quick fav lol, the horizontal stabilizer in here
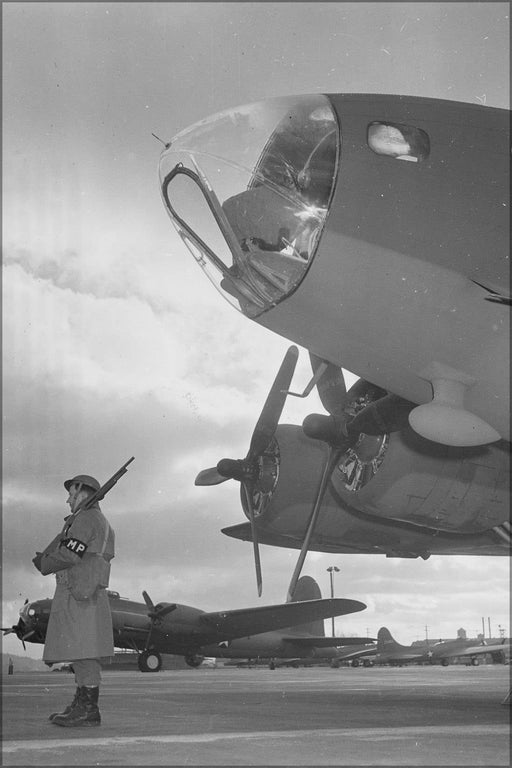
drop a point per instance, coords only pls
(327, 642)
(250, 621)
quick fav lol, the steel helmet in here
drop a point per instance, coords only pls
(87, 480)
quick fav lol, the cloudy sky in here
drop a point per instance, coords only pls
(114, 343)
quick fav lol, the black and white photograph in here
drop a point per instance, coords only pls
(256, 383)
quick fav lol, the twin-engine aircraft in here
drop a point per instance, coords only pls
(372, 230)
(290, 629)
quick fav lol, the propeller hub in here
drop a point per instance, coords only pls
(234, 469)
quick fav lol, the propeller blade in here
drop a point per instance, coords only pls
(274, 404)
(254, 534)
(161, 612)
(331, 385)
(332, 458)
(154, 612)
(209, 476)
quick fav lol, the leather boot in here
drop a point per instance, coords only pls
(85, 713)
(69, 706)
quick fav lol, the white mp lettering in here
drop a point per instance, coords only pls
(76, 546)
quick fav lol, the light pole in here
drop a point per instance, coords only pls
(330, 570)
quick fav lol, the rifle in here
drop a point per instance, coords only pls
(105, 488)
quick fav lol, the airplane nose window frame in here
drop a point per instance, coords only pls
(267, 229)
(179, 168)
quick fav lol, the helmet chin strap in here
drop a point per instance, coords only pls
(75, 502)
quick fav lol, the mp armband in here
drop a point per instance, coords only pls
(74, 545)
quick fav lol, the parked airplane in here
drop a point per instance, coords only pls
(179, 629)
(445, 651)
(373, 230)
(389, 651)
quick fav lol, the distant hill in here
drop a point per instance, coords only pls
(22, 664)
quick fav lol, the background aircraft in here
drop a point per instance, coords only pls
(389, 651)
(182, 630)
(443, 652)
(372, 230)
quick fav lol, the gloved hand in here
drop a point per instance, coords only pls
(37, 561)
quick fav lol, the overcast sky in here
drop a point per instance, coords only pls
(115, 344)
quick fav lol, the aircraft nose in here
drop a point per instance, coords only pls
(266, 172)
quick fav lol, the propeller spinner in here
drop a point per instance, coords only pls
(247, 470)
(20, 629)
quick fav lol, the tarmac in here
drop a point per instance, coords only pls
(228, 716)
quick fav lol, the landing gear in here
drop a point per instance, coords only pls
(150, 661)
(194, 661)
(474, 661)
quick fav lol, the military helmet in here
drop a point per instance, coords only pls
(87, 480)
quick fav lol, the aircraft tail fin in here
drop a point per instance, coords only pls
(307, 589)
(386, 641)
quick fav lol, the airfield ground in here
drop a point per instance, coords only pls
(227, 716)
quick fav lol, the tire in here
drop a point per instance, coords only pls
(474, 662)
(150, 661)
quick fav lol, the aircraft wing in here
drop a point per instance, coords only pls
(357, 653)
(251, 621)
(477, 650)
(329, 642)
(243, 531)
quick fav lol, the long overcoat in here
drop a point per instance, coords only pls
(80, 628)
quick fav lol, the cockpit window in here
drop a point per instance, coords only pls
(248, 191)
(403, 142)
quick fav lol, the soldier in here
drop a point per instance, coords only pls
(80, 624)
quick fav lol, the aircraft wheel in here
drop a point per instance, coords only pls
(150, 661)
(355, 662)
(474, 662)
(445, 662)
(272, 665)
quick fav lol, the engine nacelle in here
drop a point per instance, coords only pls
(398, 476)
